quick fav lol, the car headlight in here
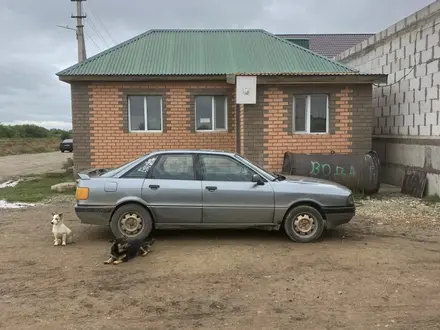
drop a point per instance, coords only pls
(350, 200)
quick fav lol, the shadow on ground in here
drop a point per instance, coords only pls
(245, 235)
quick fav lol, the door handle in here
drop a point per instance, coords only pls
(154, 186)
(211, 188)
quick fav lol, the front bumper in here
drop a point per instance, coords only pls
(338, 215)
(94, 215)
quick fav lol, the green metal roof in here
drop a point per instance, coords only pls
(205, 52)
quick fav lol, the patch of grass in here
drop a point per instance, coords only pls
(19, 146)
(35, 190)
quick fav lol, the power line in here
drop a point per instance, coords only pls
(85, 33)
(89, 4)
(88, 36)
(98, 33)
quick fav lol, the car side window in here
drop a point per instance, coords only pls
(223, 168)
(174, 167)
(141, 170)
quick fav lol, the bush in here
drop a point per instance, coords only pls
(7, 131)
(32, 131)
(65, 135)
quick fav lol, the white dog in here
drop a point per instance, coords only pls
(60, 231)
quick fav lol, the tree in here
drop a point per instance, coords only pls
(65, 135)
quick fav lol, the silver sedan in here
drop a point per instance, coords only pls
(182, 189)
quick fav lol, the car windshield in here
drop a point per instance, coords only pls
(122, 167)
(269, 174)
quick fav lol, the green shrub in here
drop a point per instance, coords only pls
(32, 131)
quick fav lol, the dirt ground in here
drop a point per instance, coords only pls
(366, 275)
(26, 164)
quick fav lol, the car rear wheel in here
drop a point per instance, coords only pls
(132, 221)
(304, 224)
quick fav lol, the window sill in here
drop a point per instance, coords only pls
(308, 133)
(211, 132)
(145, 132)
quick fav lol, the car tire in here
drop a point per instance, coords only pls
(299, 220)
(133, 213)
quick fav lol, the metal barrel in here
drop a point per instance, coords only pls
(359, 172)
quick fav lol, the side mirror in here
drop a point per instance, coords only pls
(257, 179)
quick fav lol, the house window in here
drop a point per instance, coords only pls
(145, 113)
(211, 113)
(310, 113)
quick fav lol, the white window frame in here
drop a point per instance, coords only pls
(307, 114)
(145, 115)
(212, 114)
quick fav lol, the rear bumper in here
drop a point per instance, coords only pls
(338, 215)
(94, 215)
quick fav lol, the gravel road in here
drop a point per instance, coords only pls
(11, 166)
(380, 271)
(242, 280)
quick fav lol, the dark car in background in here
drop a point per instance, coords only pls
(66, 145)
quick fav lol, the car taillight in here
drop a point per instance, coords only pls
(82, 193)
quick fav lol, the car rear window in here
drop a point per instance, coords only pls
(114, 171)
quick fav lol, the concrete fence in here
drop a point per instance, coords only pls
(406, 123)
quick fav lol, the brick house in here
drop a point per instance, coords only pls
(176, 89)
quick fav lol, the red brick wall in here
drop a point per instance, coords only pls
(100, 122)
(349, 123)
(111, 144)
(277, 139)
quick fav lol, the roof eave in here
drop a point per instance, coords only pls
(263, 78)
(114, 78)
(319, 78)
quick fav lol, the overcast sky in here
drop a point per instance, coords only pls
(34, 48)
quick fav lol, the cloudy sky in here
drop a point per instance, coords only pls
(34, 48)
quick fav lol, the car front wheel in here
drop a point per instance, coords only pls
(132, 221)
(304, 224)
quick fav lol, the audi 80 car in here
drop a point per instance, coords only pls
(182, 189)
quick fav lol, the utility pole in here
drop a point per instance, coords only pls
(80, 30)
